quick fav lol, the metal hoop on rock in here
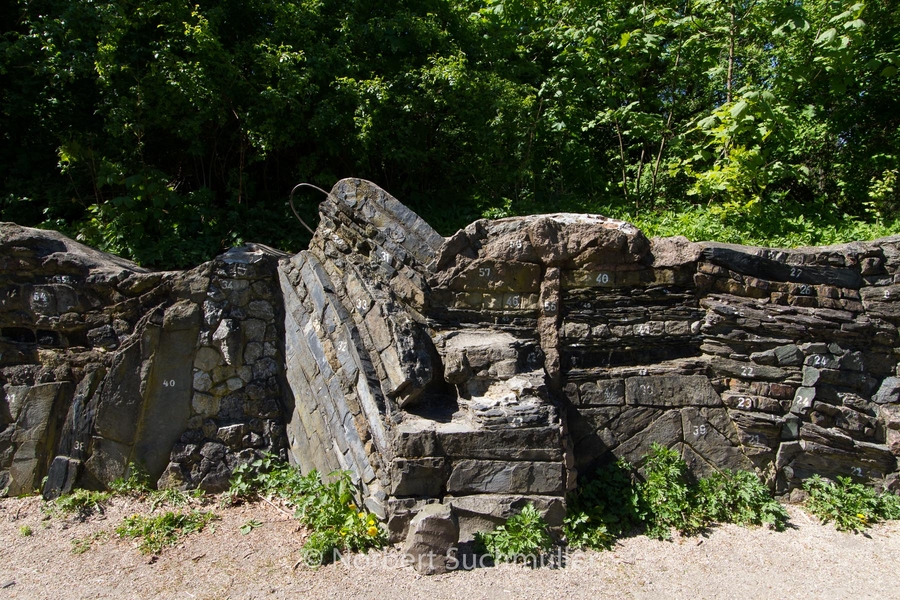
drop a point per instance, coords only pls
(291, 201)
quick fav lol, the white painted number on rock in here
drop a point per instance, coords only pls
(168, 383)
(747, 371)
(857, 471)
(795, 272)
(603, 278)
(484, 271)
(515, 243)
(513, 301)
(745, 402)
(699, 430)
(78, 446)
(550, 306)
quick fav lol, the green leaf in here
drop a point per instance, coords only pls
(739, 108)
(826, 37)
(708, 122)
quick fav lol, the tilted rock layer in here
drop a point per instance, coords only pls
(483, 371)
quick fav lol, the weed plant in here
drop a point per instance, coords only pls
(616, 501)
(327, 509)
(330, 512)
(738, 497)
(266, 477)
(851, 506)
(81, 503)
(137, 483)
(604, 508)
(667, 495)
(160, 531)
(523, 535)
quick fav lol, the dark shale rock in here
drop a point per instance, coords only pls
(433, 536)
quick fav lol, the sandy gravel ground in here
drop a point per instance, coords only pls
(809, 560)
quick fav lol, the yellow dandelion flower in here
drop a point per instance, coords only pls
(372, 531)
(362, 516)
(352, 506)
(371, 522)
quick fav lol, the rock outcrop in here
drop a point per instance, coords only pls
(481, 371)
(105, 365)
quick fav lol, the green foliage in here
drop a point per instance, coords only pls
(81, 503)
(266, 476)
(738, 497)
(168, 497)
(615, 502)
(137, 483)
(667, 495)
(852, 506)
(166, 131)
(329, 510)
(25, 531)
(523, 537)
(82, 545)
(604, 508)
(791, 225)
(250, 526)
(164, 530)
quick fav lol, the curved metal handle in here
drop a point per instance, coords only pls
(291, 201)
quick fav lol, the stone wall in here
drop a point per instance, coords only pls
(104, 364)
(483, 371)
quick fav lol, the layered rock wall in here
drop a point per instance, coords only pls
(482, 371)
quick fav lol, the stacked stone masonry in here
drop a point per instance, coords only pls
(105, 365)
(481, 371)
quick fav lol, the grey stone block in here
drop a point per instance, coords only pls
(504, 477)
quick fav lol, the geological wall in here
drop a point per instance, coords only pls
(484, 370)
(104, 364)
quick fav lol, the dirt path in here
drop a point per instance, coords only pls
(809, 560)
